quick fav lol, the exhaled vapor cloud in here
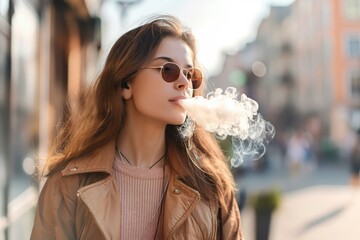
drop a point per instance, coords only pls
(222, 113)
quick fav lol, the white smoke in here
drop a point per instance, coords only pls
(223, 114)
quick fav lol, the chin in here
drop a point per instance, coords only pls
(179, 120)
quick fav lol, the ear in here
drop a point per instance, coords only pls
(126, 91)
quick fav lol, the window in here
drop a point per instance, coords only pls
(354, 85)
(353, 46)
(352, 9)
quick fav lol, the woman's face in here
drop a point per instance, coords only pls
(153, 99)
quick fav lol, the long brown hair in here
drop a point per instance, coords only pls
(98, 116)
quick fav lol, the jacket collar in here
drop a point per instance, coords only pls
(179, 202)
(100, 161)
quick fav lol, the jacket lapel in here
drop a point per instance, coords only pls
(102, 199)
(179, 203)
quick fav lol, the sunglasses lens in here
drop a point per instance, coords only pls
(195, 76)
(170, 72)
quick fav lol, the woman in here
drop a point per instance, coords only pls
(120, 169)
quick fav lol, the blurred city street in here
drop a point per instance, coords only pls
(318, 204)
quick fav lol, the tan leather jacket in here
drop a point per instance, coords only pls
(82, 202)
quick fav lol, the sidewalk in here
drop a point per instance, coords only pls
(313, 213)
(316, 205)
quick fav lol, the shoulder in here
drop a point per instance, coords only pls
(56, 202)
(60, 192)
(80, 172)
(57, 188)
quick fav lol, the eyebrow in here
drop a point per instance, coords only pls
(168, 59)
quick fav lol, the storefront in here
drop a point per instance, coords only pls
(47, 49)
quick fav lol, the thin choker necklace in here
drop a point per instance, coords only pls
(127, 160)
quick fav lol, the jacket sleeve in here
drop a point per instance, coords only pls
(231, 223)
(55, 212)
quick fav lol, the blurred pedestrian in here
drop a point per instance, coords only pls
(119, 169)
(355, 162)
(296, 152)
(310, 156)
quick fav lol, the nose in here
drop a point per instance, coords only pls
(182, 82)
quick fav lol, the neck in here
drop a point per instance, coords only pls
(142, 145)
(124, 158)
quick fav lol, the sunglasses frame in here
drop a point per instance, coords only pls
(184, 71)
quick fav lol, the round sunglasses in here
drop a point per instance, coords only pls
(170, 72)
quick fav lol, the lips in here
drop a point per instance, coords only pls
(177, 99)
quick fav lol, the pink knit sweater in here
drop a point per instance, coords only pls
(141, 192)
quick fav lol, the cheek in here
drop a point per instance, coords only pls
(149, 84)
(149, 97)
(144, 98)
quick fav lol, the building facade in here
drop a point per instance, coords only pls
(48, 52)
(311, 51)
